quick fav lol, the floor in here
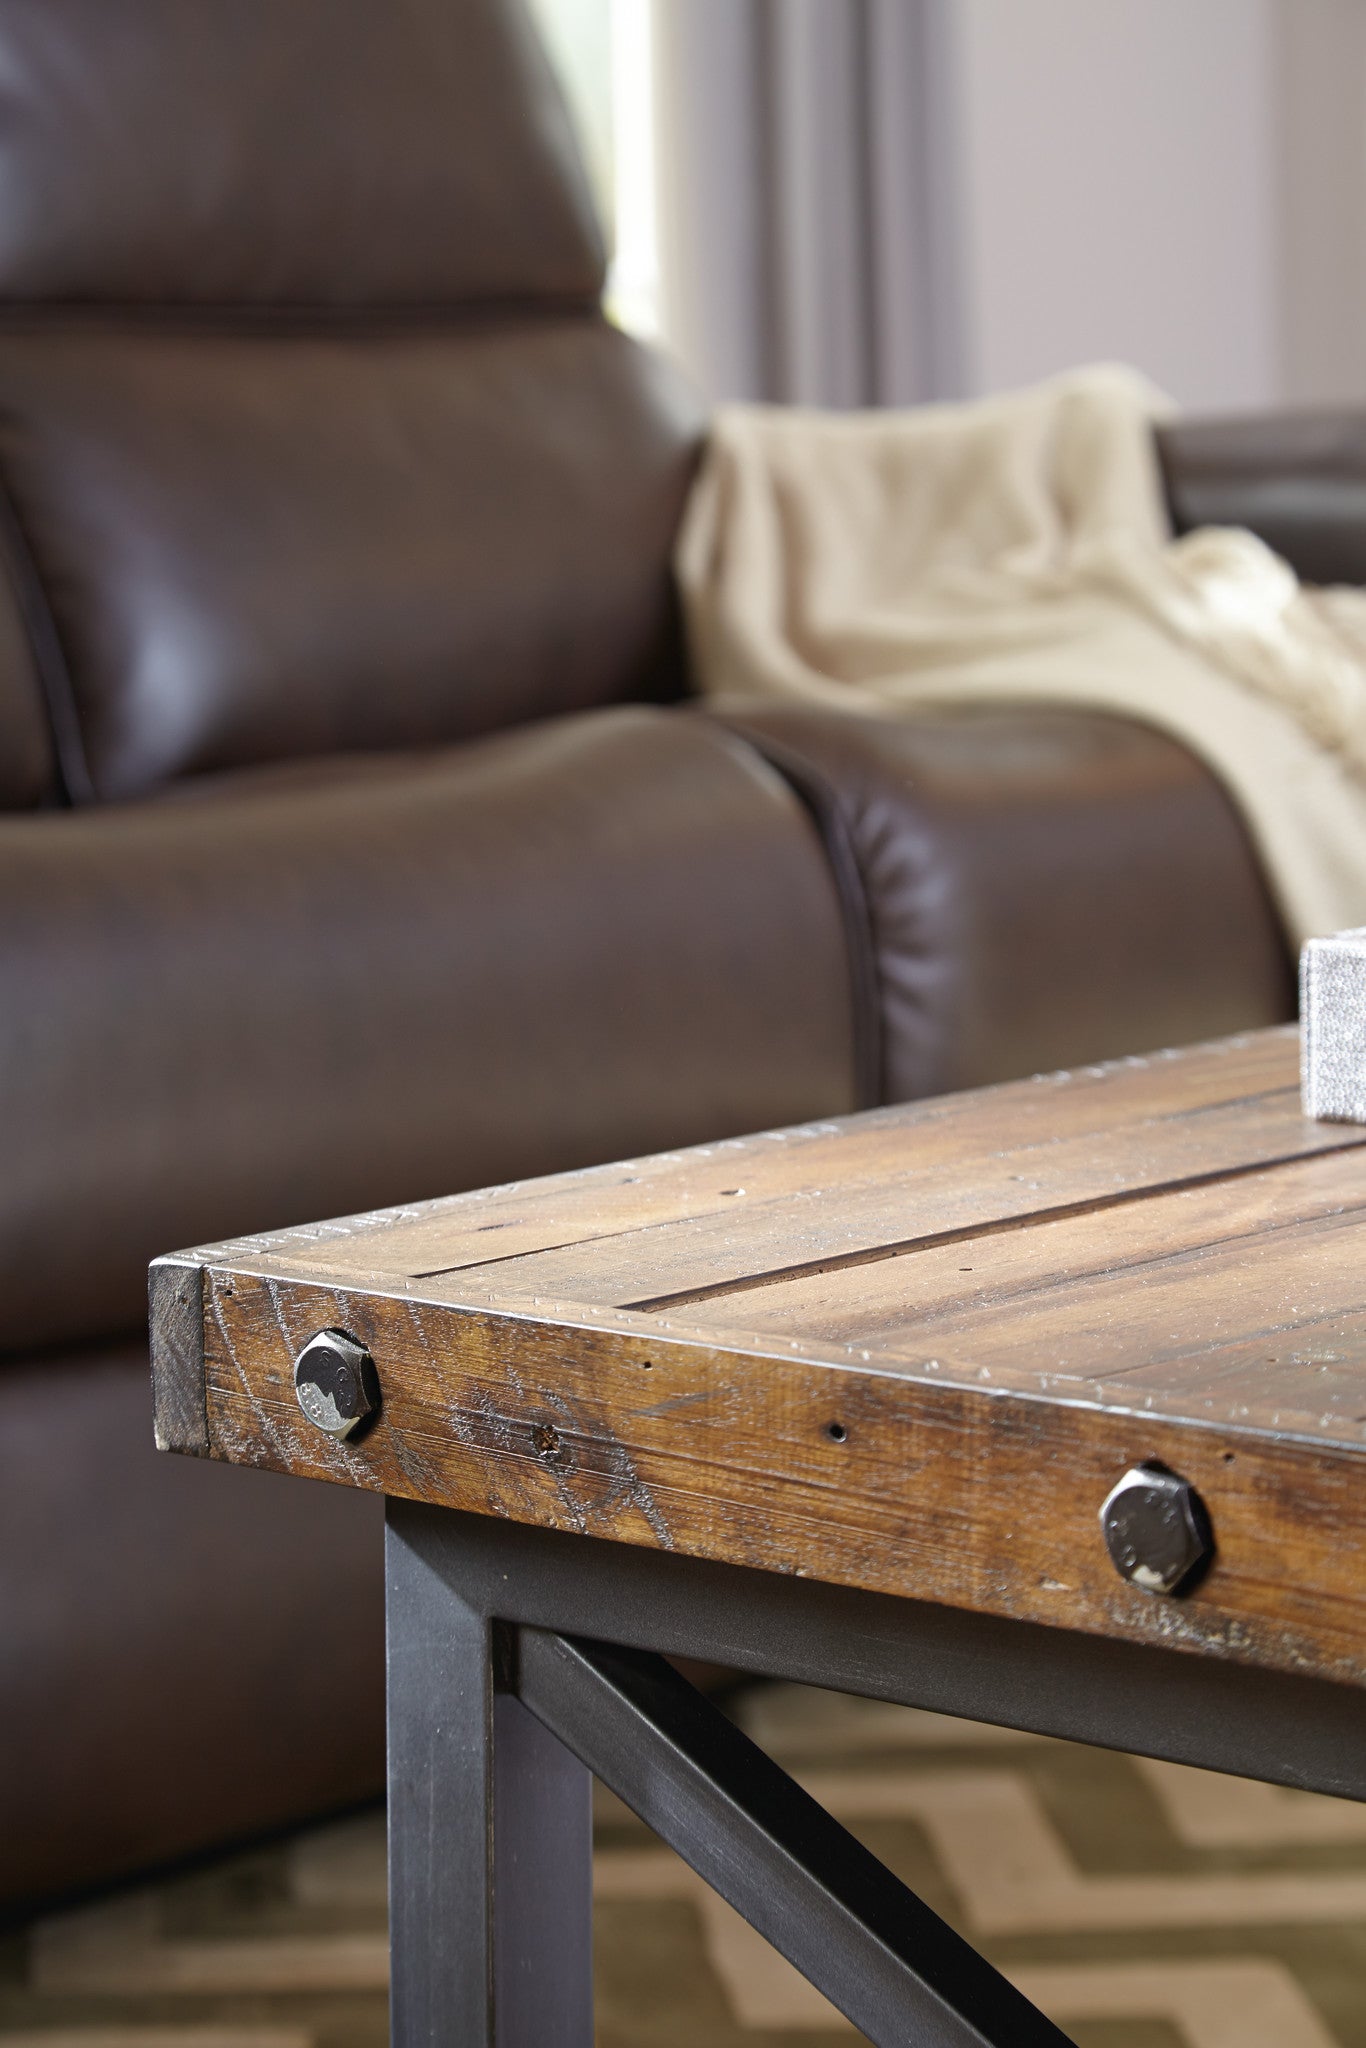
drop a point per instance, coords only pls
(1142, 1905)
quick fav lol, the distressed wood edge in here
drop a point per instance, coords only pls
(346, 1294)
(941, 1373)
(445, 1462)
(175, 1302)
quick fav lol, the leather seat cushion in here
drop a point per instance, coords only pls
(302, 993)
(193, 1654)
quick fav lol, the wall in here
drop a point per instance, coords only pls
(1117, 192)
(1322, 72)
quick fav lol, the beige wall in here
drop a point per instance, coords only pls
(1181, 183)
(1117, 191)
(1322, 69)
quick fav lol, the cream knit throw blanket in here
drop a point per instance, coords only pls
(1018, 549)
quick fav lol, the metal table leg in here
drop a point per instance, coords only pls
(494, 1728)
(490, 1837)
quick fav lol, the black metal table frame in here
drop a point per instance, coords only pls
(522, 1662)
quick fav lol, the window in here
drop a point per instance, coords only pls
(603, 50)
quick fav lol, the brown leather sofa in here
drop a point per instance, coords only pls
(354, 850)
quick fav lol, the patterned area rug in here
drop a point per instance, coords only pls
(1142, 1905)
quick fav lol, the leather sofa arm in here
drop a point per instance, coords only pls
(1029, 889)
(1297, 479)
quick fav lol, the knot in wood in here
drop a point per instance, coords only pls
(548, 1444)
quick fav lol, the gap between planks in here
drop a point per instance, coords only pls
(966, 1233)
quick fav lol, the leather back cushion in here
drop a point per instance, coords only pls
(312, 436)
(258, 545)
(27, 764)
(1297, 479)
(285, 152)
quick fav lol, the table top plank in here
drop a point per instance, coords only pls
(996, 1266)
(1215, 1275)
(914, 1206)
(1191, 1111)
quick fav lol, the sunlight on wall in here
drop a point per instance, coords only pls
(604, 52)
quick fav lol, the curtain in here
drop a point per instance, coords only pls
(808, 216)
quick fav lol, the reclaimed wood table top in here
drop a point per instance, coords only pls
(908, 1351)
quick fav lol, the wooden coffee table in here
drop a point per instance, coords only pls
(844, 1404)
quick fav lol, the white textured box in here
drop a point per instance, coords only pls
(1333, 1027)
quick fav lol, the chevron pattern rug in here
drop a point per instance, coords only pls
(1141, 1905)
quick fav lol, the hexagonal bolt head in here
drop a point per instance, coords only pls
(1156, 1529)
(336, 1382)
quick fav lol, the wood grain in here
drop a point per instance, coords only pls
(909, 1351)
(1232, 1101)
(924, 1199)
(176, 1309)
(1246, 1284)
(983, 1499)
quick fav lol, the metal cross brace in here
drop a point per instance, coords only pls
(504, 1703)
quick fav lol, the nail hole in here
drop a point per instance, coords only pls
(1229, 1457)
(646, 1364)
(836, 1432)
